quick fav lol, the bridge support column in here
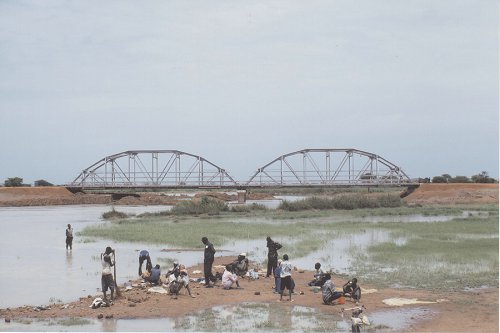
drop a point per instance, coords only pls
(242, 196)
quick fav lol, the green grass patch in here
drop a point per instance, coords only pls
(451, 255)
(459, 253)
(344, 202)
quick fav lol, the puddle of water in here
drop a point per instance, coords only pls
(89, 325)
(245, 317)
(336, 254)
(420, 217)
(475, 290)
(400, 319)
(259, 317)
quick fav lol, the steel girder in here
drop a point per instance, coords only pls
(153, 168)
(327, 167)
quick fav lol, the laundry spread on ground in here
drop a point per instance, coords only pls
(397, 301)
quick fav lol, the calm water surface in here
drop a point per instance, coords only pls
(36, 269)
(35, 266)
(246, 317)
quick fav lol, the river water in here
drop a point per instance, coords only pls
(36, 269)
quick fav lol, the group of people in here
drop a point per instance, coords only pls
(177, 277)
(282, 271)
(329, 294)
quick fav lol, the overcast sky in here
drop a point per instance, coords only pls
(243, 82)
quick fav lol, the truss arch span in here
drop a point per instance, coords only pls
(153, 168)
(329, 167)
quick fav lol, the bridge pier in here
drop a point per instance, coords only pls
(242, 196)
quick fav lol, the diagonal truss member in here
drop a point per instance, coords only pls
(150, 168)
(328, 167)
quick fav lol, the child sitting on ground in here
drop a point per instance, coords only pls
(352, 289)
(319, 277)
(229, 278)
(182, 280)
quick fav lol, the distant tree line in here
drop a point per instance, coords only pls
(481, 177)
(18, 182)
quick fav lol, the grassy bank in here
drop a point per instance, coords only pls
(455, 254)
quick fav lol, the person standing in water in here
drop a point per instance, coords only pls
(69, 237)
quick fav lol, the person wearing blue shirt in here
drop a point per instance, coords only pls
(154, 278)
(144, 256)
(277, 278)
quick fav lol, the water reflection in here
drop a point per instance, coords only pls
(69, 259)
(336, 254)
(109, 325)
(245, 317)
(252, 317)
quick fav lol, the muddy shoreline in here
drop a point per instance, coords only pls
(446, 309)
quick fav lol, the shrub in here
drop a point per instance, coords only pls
(114, 214)
(345, 202)
(439, 179)
(248, 208)
(389, 201)
(240, 209)
(206, 205)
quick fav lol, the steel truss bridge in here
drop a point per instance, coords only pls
(169, 169)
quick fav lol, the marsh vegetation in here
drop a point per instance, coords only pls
(456, 253)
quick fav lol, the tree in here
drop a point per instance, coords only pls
(43, 182)
(460, 179)
(14, 182)
(439, 179)
(447, 177)
(482, 178)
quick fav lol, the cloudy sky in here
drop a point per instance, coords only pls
(243, 82)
